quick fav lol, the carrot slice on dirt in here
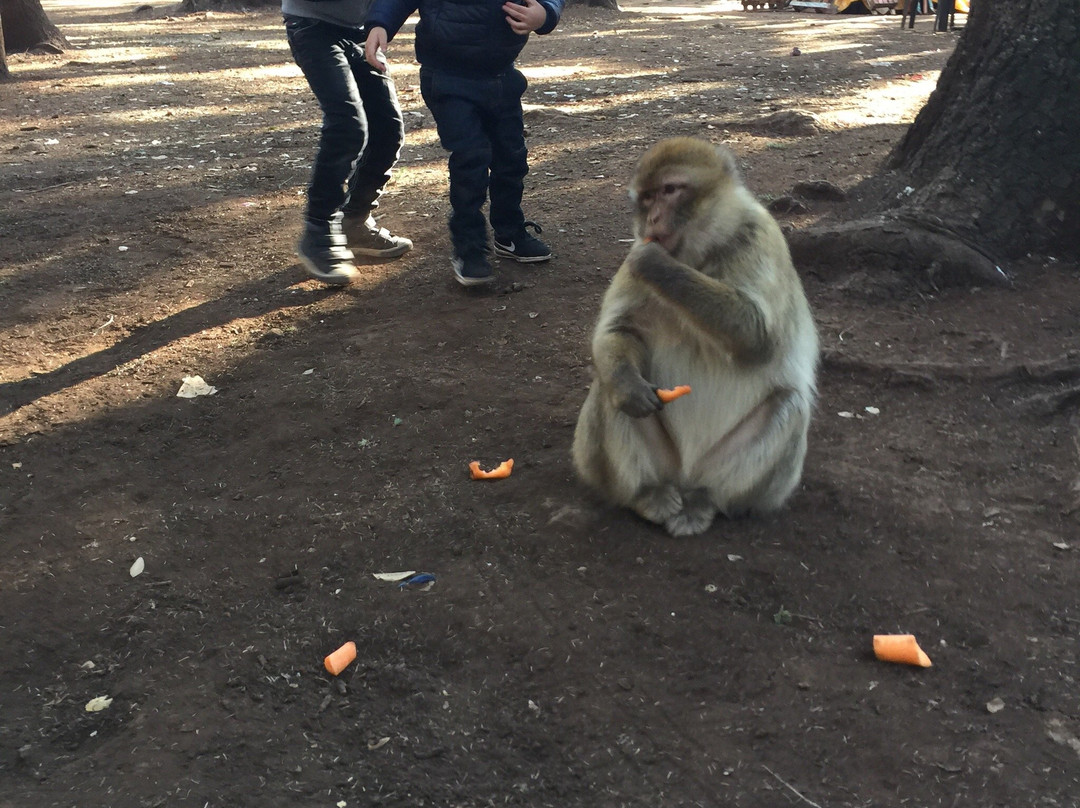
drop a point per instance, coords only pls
(340, 659)
(900, 648)
(675, 392)
(499, 472)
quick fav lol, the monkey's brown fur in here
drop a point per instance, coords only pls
(707, 297)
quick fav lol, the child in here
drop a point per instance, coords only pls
(362, 133)
(466, 50)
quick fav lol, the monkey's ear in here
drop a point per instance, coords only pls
(727, 160)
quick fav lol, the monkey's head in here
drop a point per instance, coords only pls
(677, 181)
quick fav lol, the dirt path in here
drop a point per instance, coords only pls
(568, 654)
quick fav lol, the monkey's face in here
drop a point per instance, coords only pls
(663, 208)
(677, 188)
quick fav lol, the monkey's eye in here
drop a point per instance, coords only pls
(672, 188)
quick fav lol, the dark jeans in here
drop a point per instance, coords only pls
(362, 127)
(480, 123)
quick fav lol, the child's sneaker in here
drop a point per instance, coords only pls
(367, 238)
(473, 270)
(523, 247)
(323, 252)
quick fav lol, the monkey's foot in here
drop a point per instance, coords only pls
(658, 503)
(696, 515)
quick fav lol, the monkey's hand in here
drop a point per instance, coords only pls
(730, 315)
(645, 256)
(650, 261)
(632, 394)
(642, 249)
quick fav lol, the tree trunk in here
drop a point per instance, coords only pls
(996, 151)
(26, 26)
(4, 74)
(993, 159)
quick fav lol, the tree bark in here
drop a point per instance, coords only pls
(991, 163)
(4, 73)
(995, 152)
(26, 26)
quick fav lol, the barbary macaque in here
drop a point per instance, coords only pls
(707, 297)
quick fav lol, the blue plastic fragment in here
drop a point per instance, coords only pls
(419, 578)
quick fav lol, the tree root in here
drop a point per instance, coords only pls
(1075, 508)
(1049, 371)
(917, 248)
(47, 47)
(927, 375)
(1054, 401)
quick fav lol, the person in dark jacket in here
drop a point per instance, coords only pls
(362, 133)
(466, 50)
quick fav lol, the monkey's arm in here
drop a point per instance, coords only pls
(719, 309)
(620, 353)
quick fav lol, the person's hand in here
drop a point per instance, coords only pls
(525, 16)
(375, 48)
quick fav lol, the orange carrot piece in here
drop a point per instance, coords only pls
(340, 659)
(497, 473)
(675, 392)
(900, 648)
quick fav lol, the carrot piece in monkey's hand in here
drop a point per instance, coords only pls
(900, 648)
(670, 395)
(499, 472)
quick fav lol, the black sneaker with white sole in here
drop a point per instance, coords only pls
(522, 246)
(323, 252)
(368, 239)
(473, 270)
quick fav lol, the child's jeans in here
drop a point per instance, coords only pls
(480, 123)
(362, 128)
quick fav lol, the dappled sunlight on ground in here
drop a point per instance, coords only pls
(126, 127)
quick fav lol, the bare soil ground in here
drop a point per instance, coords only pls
(568, 654)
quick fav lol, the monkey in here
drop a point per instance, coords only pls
(707, 296)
